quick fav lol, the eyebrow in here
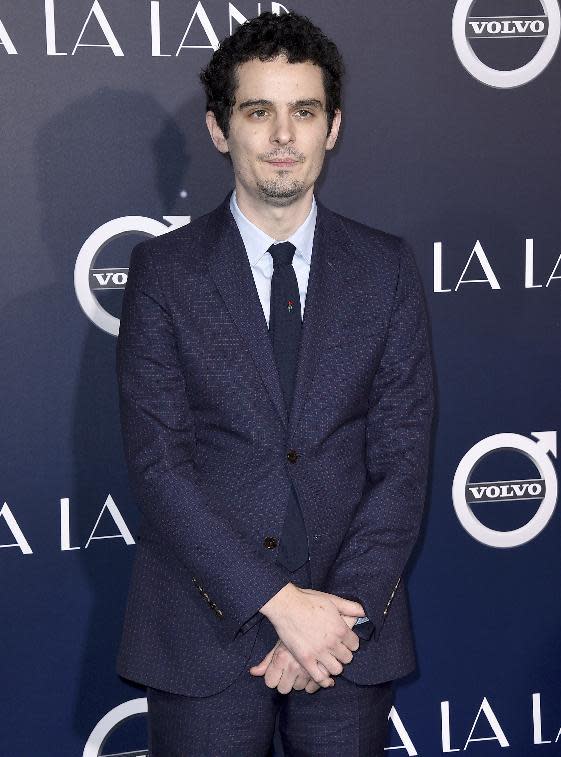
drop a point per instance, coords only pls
(310, 103)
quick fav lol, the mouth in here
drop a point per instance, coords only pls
(285, 163)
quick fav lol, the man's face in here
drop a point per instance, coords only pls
(278, 129)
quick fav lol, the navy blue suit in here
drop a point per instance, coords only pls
(212, 452)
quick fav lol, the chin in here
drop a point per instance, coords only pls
(277, 193)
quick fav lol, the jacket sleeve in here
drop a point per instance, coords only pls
(159, 437)
(384, 529)
(363, 628)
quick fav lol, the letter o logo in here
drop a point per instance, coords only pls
(516, 77)
(110, 722)
(91, 249)
(537, 452)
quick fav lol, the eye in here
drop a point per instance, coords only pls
(303, 113)
(258, 113)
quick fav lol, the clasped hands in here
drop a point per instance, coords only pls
(315, 639)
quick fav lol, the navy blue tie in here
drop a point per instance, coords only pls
(285, 325)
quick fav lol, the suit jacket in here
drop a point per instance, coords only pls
(211, 450)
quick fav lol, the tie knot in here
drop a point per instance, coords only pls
(282, 253)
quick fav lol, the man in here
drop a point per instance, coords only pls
(276, 401)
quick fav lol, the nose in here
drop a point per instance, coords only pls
(282, 132)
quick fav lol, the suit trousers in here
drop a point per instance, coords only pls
(346, 720)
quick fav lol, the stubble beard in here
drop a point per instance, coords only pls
(277, 192)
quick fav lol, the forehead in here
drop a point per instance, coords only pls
(279, 81)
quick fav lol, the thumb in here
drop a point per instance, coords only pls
(347, 606)
(260, 668)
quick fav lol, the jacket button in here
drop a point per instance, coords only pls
(269, 542)
(292, 456)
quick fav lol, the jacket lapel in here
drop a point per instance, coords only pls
(324, 284)
(229, 267)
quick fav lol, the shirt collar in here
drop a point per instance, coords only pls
(257, 242)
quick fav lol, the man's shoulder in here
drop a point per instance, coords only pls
(189, 241)
(371, 241)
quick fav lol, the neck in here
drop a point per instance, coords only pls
(278, 222)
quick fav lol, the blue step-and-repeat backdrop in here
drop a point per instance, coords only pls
(451, 138)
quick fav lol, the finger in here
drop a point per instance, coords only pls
(301, 680)
(287, 680)
(274, 672)
(331, 664)
(347, 606)
(321, 676)
(350, 620)
(260, 668)
(290, 667)
(312, 686)
(276, 666)
(351, 640)
(342, 653)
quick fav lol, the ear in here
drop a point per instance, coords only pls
(332, 136)
(215, 132)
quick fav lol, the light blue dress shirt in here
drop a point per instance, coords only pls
(257, 243)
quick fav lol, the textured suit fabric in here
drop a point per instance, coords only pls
(239, 721)
(257, 244)
(285, 326)
(207, 441)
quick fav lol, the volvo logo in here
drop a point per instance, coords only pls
(466, 27)
(88, 279)
(107, 725)
(543, 487)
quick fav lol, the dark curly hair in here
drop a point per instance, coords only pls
(265, 37)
